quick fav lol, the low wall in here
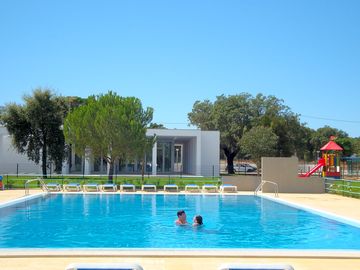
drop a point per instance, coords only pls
(284, 172)
(243, 182)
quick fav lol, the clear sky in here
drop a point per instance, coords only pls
(172, 53)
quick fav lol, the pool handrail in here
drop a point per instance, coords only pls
(263, 182)
(42, 184)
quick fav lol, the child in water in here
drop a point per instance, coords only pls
(198, 221)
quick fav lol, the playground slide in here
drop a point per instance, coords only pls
(321, 163)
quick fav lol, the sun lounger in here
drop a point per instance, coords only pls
(127, 187)
(72, 187)
(148, 187)
(171, 187)
(228, 188)
(234, 266)
(91, 187)
(112, 266)
(192, 188)
(109, 187)
(209, 188)
(53, 186)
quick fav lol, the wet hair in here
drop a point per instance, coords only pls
(180, 212)
(199, 220)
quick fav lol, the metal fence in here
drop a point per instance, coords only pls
(20, 169)
(344, 187)
(19, 181)
(348, 170)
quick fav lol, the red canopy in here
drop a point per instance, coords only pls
(331, 146)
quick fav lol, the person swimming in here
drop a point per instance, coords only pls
(197, 221)
(181, 218)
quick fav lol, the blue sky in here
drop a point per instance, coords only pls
(172, 53)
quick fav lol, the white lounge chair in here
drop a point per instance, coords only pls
(72, 187)
(109, 187)
(127, 187)
(112, 266)
(91, 187)
(53, 186)
(192, 188)
(238, 266)
(148, 187)
(209, 188)
(228, 188)
(171, 187)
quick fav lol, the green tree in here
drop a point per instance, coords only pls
(322, 135)
(2, 112)
(356, 145)
(230, 115)
(269, 111)
(347, 145)
(110, 126)
(36, 127)
(234, 115)
(259, 142)
(157, 126)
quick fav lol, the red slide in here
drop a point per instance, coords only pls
(321, 163)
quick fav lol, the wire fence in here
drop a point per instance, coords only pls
(20, 169)
(349, 170)
(18, 181)
(344, 187)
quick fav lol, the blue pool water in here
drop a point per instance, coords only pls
(147, 221)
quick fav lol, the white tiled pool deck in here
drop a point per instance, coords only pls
(173, 260)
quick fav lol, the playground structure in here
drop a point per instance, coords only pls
(329, 161)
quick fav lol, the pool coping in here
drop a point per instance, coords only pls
(195, 253)
(22, 199)
(188, 252)
(326, 214)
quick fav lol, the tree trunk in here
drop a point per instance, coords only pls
(230, 155)
(111, 171)
(44, 158)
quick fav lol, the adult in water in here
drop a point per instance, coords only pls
(181, 218)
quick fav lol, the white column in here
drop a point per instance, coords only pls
(65, 169)
(172, 150)
(154, 158)
(88, 161)
(136, 165)
(73, 159)
(101, 165)
(198, 154)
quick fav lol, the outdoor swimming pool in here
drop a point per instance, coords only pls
(147, 221)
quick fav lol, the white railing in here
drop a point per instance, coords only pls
(263, 182)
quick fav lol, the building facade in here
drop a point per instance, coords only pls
(176, 151)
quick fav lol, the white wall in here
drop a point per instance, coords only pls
(190, 157)
(10, 158)
(210, 153)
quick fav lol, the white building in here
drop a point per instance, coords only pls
(176, 151)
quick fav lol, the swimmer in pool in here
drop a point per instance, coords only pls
(181, 218)
(197, 221)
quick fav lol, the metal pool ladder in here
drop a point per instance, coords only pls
(42, 184)
(263, 182)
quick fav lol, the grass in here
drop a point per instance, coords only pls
(18, 182)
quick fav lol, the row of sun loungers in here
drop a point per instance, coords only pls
(93, 187)
(134, 266)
